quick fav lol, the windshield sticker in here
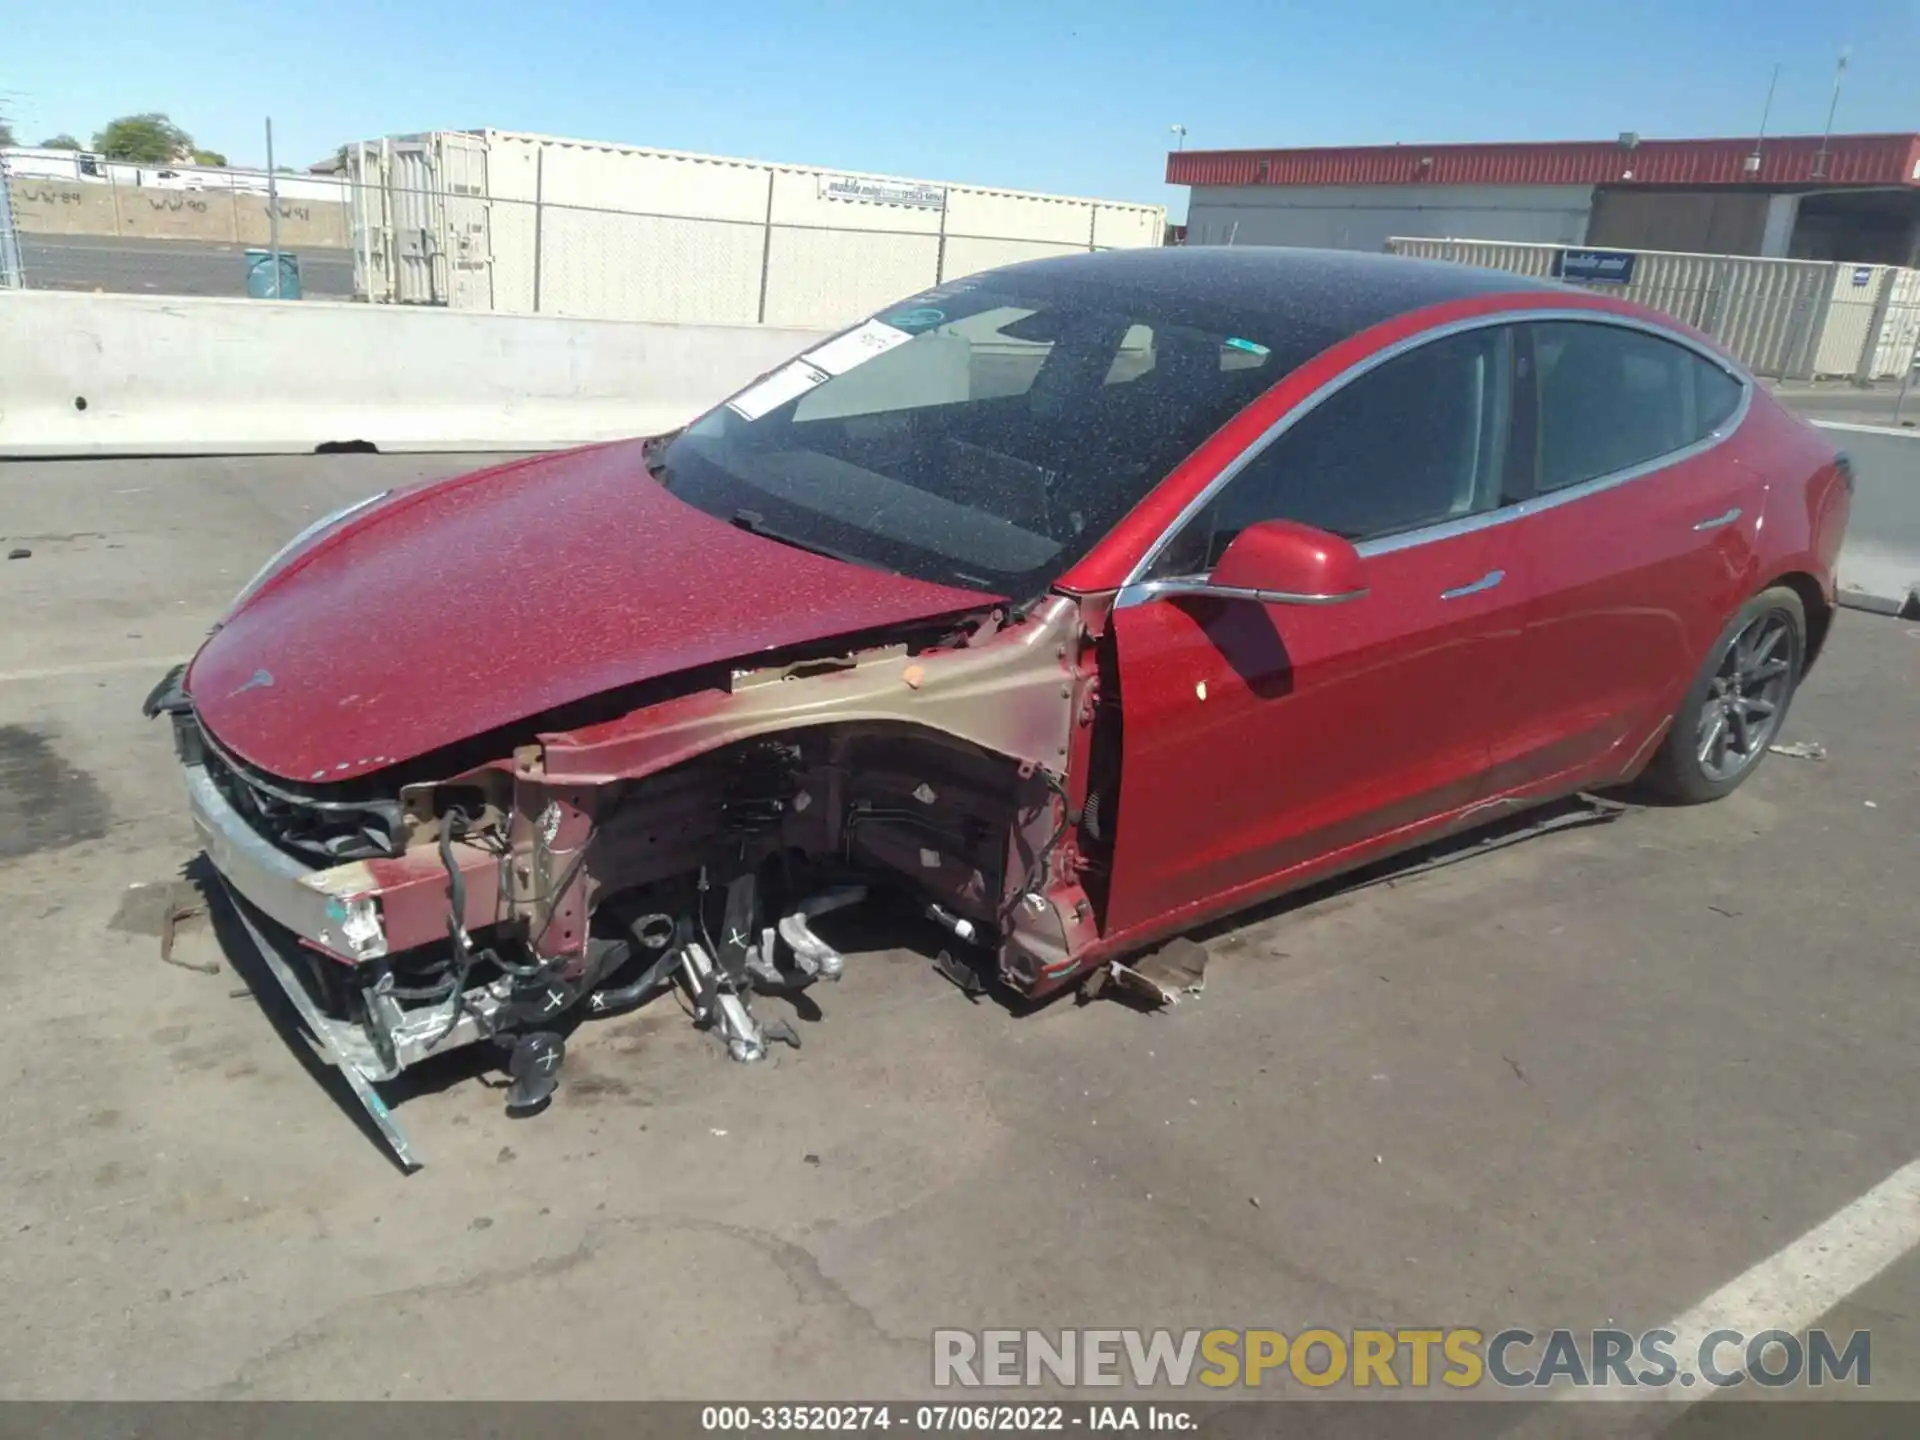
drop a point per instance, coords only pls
(787, 383)
(1236, 343)
(856, 347)
(924, 318)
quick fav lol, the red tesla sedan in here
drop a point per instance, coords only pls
(1081, 601)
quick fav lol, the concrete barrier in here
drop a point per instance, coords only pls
(219, 217)
(1880, 563)
(86, 374)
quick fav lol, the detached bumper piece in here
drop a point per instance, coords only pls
(341, 1045)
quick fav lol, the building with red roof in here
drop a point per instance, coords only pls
(1839, 197)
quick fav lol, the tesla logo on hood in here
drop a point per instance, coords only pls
(260, 680)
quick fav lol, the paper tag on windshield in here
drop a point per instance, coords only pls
(790, 380)
(856, 347)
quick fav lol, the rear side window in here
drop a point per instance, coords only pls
(1613, 398)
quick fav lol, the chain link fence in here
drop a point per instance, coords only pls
(451, 247)
(415, 246)
(105, 226)
(10, 272)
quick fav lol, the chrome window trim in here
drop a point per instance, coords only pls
(1200, 585)
(1132, 591)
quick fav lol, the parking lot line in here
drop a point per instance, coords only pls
(1797, 1284)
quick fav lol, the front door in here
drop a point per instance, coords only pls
(1263, 740)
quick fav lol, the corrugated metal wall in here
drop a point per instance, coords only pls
(1850, 317)
(601, 231)
(414, 224)
(1899, 345)
(1783, 318)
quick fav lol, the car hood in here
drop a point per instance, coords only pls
(458, 607)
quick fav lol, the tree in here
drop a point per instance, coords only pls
(62, 141)
(145, 139)
(208, 157)
(6, 133)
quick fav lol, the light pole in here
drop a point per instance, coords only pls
(1180, 133)
(273, 215)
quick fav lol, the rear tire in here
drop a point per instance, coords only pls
(1736, 705)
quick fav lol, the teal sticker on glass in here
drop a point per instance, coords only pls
(922, 318)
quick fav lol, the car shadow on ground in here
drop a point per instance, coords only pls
(1573, 812)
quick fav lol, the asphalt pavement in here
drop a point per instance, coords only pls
(168, 267)
(1602, 1077)
(1850, 404)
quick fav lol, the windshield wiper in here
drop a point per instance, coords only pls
(751, 522)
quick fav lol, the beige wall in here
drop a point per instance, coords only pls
(71, 207)
(1365, 217)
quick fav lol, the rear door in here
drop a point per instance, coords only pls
(1638, 543)
(1261, 740)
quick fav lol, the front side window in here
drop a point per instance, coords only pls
(970, 436)
(1613, 398)
(1419, 440)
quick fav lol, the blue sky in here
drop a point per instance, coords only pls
(1073, 96)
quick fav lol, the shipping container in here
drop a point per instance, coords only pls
(533, 224)
(1897, 351)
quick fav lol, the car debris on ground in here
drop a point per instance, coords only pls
(1800, 750)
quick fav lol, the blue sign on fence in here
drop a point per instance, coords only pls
(1598, 267)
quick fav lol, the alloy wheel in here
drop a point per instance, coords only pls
(1748, 697)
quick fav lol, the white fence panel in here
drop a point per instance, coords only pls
(1513, 256)
(600, 266)
(969, 254)
(1899, 346)
(831, 278)
(1785, 318)
(1850, 309)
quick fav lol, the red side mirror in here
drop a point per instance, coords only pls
(1282, 562)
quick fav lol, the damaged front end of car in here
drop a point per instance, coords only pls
(687, 842)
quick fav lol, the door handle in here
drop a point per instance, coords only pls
(1485, 582)
(1717, 521)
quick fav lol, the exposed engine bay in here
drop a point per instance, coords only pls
(689, 844)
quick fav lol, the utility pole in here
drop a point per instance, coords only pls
(1766, 113)
(1839, 74)
(273, 214)
(11, 275)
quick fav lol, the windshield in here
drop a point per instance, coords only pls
(972, 435)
